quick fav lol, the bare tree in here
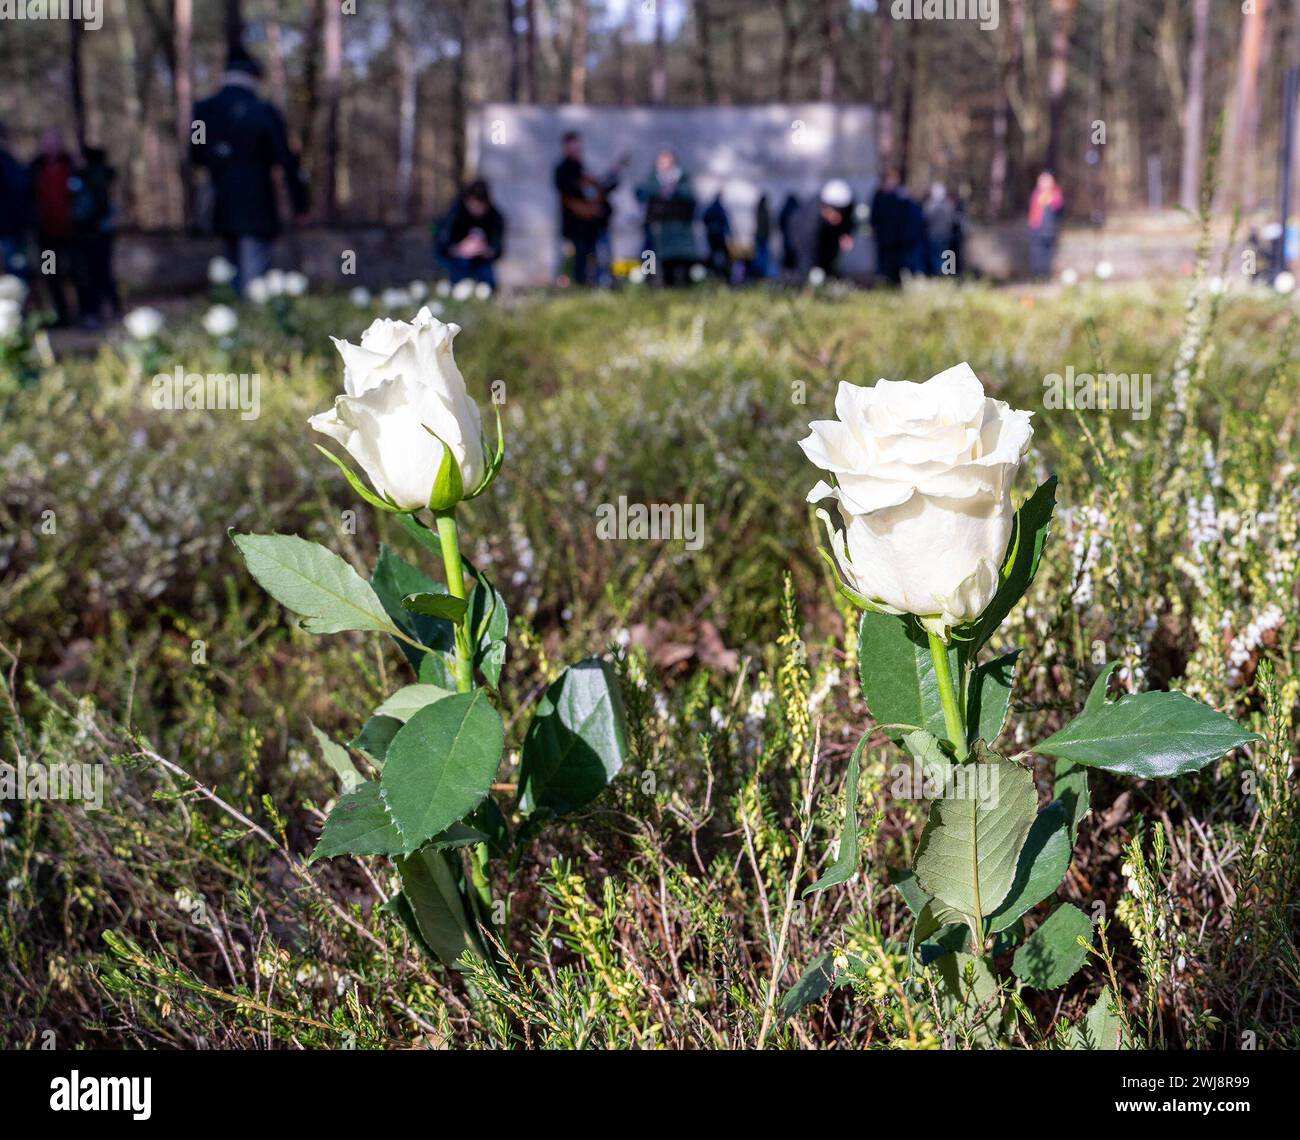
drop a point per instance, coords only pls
(1189, 182)
(832, 34)
(183, 86)
(234, 23)
(1239, 168)
(332, 58)
(790, 25)
(1058, 74)
(1009, 54)
(75, 88)
(704, 49)
(885, 91)
(659, 70)
(530, 51)
(512, 53)
(407, 95)
(578, 62)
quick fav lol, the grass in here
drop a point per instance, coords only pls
(182, 914)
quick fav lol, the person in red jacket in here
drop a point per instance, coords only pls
(52, 185)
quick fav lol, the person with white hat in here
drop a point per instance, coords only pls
(835, 225)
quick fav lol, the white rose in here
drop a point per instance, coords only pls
(220, 271)
(295, 283)
(12, 288)
(11, 317)
(220, 320)
(403, 394)
(143, 324)
(923, 476)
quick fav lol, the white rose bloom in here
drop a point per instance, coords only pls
(12, 288)
(463, 290)
(11, 317)
(923, 476)
(143, 324)
(295, 283)
(220, 271)
(360, 296)
(220, 320)
(401, 380)
(258, 291)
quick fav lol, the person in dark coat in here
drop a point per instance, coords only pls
(785, 222)
(941, 229)
(762, 237)
(472, 236)
(243, 141)
(51, 180)
(94, 220)
(717, 232)
(583, 206)
(669, 201)
(15, 210)
(1046, 206)
(834, 225)
(889, 227)
(915, 256)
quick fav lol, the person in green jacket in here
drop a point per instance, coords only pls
(669, 204)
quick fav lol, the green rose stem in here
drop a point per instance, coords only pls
(449, 539)
(948, 695)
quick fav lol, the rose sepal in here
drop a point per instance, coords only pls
(383, 503)
(448, 484)
(492, 460)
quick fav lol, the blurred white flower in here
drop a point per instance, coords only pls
(698, 273)
(395, 299)
(816, 276)
(636, 276)
(12, 288)
(11, 317)
(463, 289)
(1284, 282)
(1105, 271)
(220, 320)
(258, 291)
(295, 283)
(443, 288)
(483, 291)
(144, 323)
(1069, 277)
(221, 271)
(275, 282)
(1217, 285)
(360, 296)
(418, 290)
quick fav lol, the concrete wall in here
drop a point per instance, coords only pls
(742, 151)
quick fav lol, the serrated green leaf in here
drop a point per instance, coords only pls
(818, 980)
(431, 885)
(394, 579)
(445, 606)
(410, 699)
(577, 741)
(969, 850)
(973, 1001)
(1043, 861)
(1052, 954)
(312, 582)
(375, 737)
(1101, 1028)
(1033, 522)
(441, 764)
(897, 674)
(848, 856)
(336, 756)
(1149, 735)
(358, 825)
(990, 693)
